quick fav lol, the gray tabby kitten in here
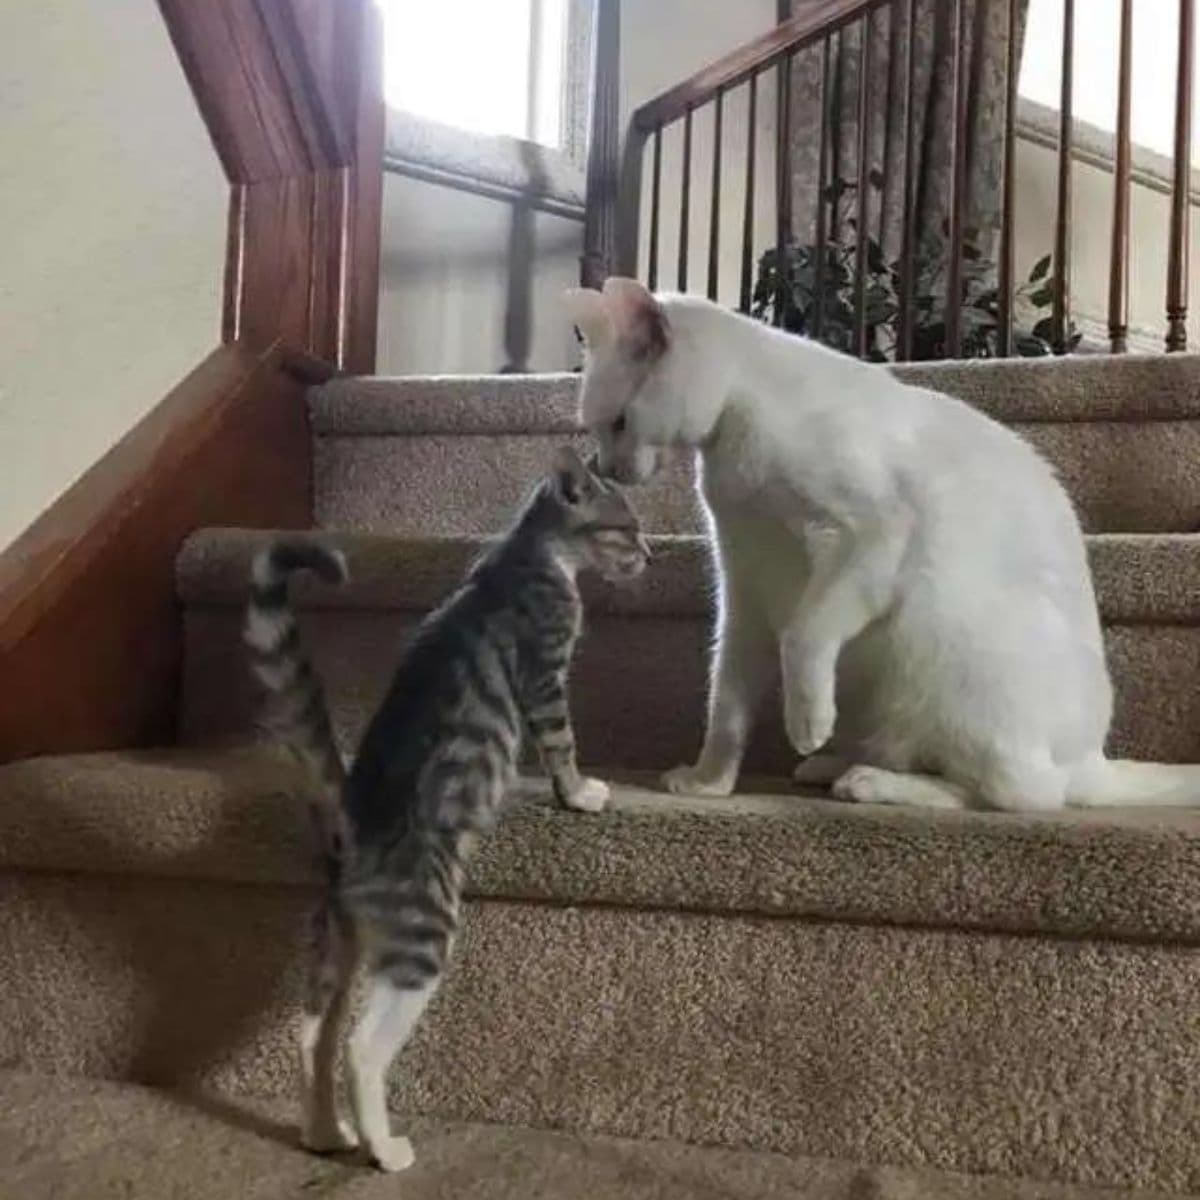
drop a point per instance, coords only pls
(432, 771)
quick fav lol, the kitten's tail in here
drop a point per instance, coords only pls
(297, 714)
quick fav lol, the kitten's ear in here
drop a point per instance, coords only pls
(589, 312)
(571, 477)
(639, 319)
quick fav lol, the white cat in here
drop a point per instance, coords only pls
(914, 567)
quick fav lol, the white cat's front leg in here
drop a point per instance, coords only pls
(745, 661)
(851, 583)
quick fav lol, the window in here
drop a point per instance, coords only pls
(487, 66)
(1097, 44)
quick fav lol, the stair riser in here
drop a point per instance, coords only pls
(889, 1045)
(445, 485)
(1133, 477)
(639, 686)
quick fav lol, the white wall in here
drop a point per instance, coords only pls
(112, 229)
(445, 253)
(1036, 171)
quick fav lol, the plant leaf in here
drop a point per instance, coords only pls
(1041, 269)
(1043, 296)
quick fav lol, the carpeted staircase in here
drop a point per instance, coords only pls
(835, 1001)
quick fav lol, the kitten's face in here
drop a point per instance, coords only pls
(600, 530)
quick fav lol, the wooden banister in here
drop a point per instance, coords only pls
(820, 17)
(290, 91)
(90, 632)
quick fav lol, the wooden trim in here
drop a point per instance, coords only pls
(1180, 230)
(604, 149)
(819, 19)
(90, 632)
(90, 636)
(477, 185)
(362, 94)
(291, 93)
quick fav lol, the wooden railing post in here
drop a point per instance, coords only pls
(1006, 280)
(655, 210)
(1060, 306)
(862, 234)
(958, 178)
(600, 212)
(714, 201)
(685, 206)
(746, 290)
(783, 184)
(908, 236)
(1177, 251)
(1118, 278)
(629, 201)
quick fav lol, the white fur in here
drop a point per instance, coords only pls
(913, 568)
(591, 796)
(321, 1129)
(387, 1022)
(265, 630)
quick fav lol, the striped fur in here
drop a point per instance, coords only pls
(483, 672)
(297, 715)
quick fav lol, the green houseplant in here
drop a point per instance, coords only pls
(801, 285)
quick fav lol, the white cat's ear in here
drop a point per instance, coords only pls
(588, 311)
(640, 320)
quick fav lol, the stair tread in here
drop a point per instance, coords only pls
(67, 1138)
(233, 815)
(1074, 389)
(1139, 578)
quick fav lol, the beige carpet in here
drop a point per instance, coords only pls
(448, 455)
(234, 817)
(657, 633)
(957, 992)
(72, 1139)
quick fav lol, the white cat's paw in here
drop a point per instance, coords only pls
(810, 728)
(860, 785)
(688, 781)
(590, 796)
(396, 1154)
(328, 1137)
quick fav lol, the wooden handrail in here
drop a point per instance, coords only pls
(292, 98)
(820, 17)
(954, 314)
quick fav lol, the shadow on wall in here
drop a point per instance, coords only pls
(446, 292)
(518, 312)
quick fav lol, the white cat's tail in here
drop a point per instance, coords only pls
(1115, 783)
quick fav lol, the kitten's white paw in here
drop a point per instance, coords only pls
(590, 796)
(328, 1137)
(810, 728)
(396, 1154)
(687, 781)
